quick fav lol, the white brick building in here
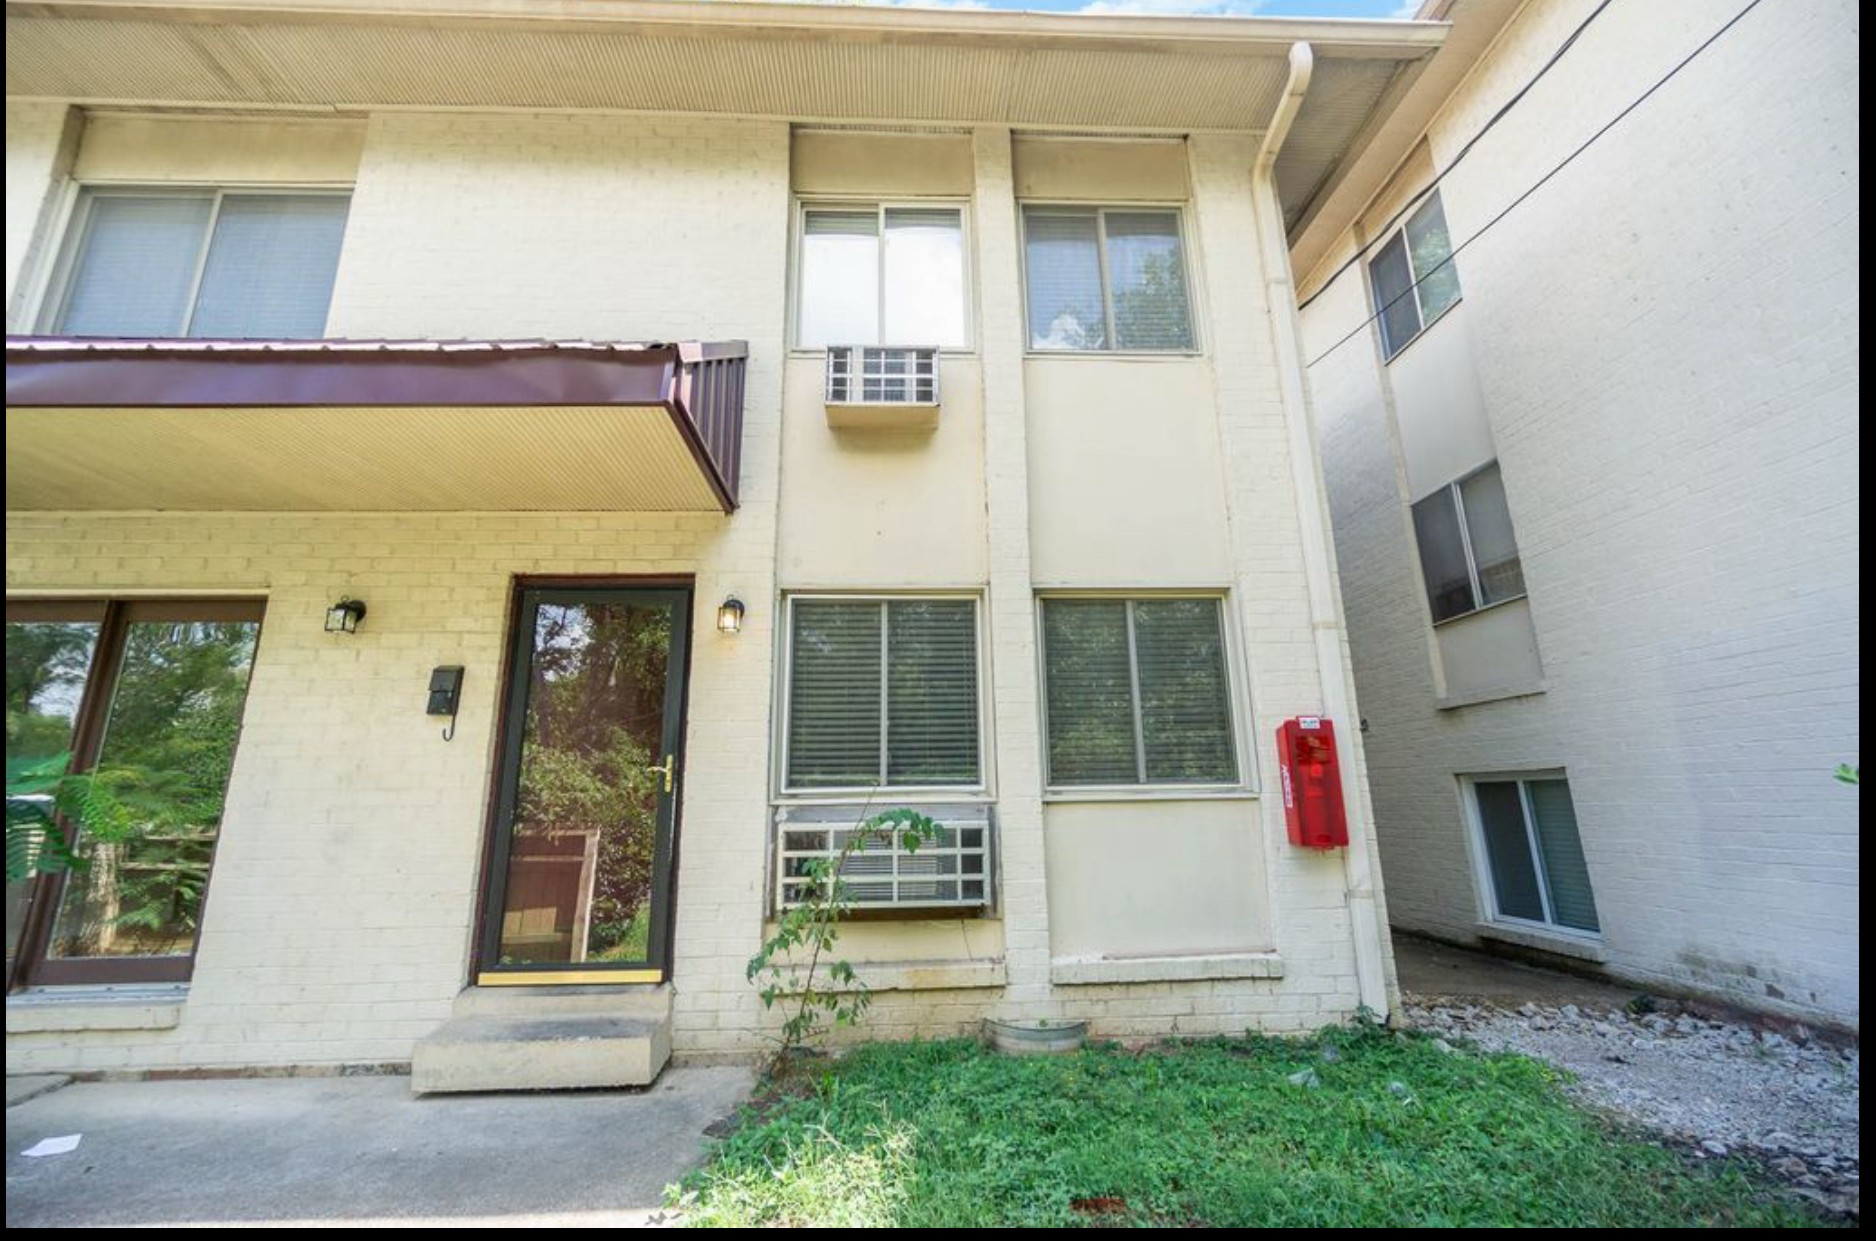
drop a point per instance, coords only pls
(1096, 586)
(1643, 380)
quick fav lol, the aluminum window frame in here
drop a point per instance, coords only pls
(1393, 349)
(1188, 261)
(804, 203)
(1239, 705)
(55, 298)
(1465, 543)
(783, 791)
(1480, 849)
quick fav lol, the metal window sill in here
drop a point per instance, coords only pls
(910, 976)
(1147, 793)
(1477, 697)
(1095, 971)
(1562, 943)
(48, 1010)
(1120, 355)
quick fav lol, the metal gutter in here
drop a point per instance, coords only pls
(1325, 613)
(1352, 37)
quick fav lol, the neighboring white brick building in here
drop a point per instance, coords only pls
(1659, 611)
(1135, 536)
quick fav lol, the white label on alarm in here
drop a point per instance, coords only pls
(1309, 721)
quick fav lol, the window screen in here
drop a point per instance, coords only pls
(270, 266)
(873, 275)
(204, 263)
(1413, 277)
(1137, 692)
(1534, 852)
(1105, 279)
(882, 692)
(1468, 552)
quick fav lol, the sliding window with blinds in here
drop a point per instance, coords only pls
(1106, 278)
(882, 693)
(1138, 692)
(199, 263)
(1534, 853)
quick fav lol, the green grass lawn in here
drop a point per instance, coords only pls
(1393, 1131)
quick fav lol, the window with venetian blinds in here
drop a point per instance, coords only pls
(200, 263)
(1137, 692)
(882, 692)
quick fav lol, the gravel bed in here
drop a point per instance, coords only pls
(1787, 1100)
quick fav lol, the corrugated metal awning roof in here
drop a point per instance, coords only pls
(74, 403)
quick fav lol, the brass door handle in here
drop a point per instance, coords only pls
(669, 769)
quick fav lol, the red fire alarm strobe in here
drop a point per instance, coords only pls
(1312, 783)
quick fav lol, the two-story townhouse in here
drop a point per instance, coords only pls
(487, 671)
(1582, 334)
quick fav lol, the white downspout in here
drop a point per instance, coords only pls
(1312, 518)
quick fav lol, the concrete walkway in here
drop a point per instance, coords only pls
(358, 1151)
(1428, 969)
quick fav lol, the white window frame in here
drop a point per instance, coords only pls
(1465, 543)
(56, 294)
(1237, 688)
(1481, 854)
(880, 206)
(1420, 312)
(1101, 207)
(784, 677)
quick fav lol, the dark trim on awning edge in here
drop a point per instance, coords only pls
(698, 383)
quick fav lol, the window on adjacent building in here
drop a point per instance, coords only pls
(149, 696)
(1137, 692)
(1106, 278)
(1533, 853)
(1413, 276)
(1468, 553)
(882, 692)
(206, 263)
(878, 274)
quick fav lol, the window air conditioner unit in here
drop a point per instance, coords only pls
(950, 872)
(882, 387)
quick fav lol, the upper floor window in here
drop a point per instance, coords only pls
(1413, 276)
(1106, 278)
(1468, 553)
(882, 692)
(199, 262)
(880, 274)
(1137, 692)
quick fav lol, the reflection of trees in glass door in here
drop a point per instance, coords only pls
(586, 798)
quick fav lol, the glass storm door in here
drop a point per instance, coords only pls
(580, 885)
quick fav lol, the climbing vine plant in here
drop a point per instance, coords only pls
(823, 992)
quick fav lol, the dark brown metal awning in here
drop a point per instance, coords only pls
(563, 385)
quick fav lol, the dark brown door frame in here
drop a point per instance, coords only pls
(31, 966)
(484, 957)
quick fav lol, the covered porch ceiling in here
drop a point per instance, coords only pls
(819, 63)
(372, 426)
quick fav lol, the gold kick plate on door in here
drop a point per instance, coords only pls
(669, 769)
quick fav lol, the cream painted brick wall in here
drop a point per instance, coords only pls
(1667, 343)
(338, 928)
(37, 158)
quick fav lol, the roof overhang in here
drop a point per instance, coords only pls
(810, 63)
(372, 425)
(1368, 158)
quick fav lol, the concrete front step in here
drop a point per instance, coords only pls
(568, 1042)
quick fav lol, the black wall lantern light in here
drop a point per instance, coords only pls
(730, 615)
(343, 616)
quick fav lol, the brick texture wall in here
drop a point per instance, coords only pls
(1666, 339)
(339, 920)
